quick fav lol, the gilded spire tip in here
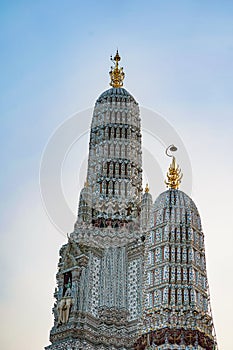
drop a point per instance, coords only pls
(147, 188)
(174, 174)
(116, 73)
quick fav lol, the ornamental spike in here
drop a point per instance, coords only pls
(174, 174)
(116, 73)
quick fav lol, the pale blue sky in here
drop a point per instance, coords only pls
(178, 60)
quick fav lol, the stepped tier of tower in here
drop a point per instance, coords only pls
(112, 194)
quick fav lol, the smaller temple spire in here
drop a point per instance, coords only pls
(174, 174)
(116, 73)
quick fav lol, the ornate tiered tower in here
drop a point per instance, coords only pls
(132, 275)
(177, 312)
(99, 280)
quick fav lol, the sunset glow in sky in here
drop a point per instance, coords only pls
(178, 61)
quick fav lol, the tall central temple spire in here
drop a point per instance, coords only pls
(99, 294)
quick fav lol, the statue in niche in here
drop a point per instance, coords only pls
(63, 307)
(65, 303)
(68, 290)
(61, 310)
(66, 310)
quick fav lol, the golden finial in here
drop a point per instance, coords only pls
(174, 174)
(116, 73)
(147, 188)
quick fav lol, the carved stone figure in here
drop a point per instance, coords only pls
(61, 306)
(66, 310)
(64, 306)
